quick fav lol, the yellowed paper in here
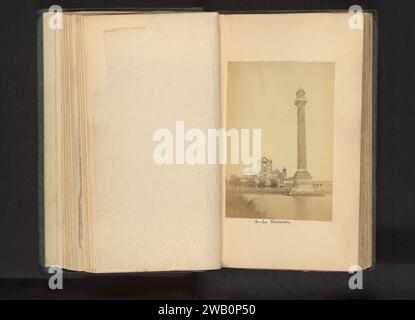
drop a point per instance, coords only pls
(146, 72)
(301, 38)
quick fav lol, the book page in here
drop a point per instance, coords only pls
(145, 73)
(297, 78)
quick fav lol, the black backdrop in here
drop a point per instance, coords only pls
(394, 275)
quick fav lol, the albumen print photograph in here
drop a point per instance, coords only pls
(293, 105)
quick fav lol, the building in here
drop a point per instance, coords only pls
(249, 180)
(267, 177)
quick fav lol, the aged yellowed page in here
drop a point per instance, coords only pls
(66, 146)
(144, 73)
(298, 77)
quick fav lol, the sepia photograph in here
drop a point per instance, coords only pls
(293, 105)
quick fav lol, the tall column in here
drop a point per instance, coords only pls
(301, 141)
(302, 178)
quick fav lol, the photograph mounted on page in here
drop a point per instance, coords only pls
(293, 105)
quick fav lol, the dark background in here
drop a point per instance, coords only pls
(394, 275)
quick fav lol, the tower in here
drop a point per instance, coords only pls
(302, 179)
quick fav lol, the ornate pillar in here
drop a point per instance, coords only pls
(302, 178)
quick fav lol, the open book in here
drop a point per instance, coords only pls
(196, 141)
